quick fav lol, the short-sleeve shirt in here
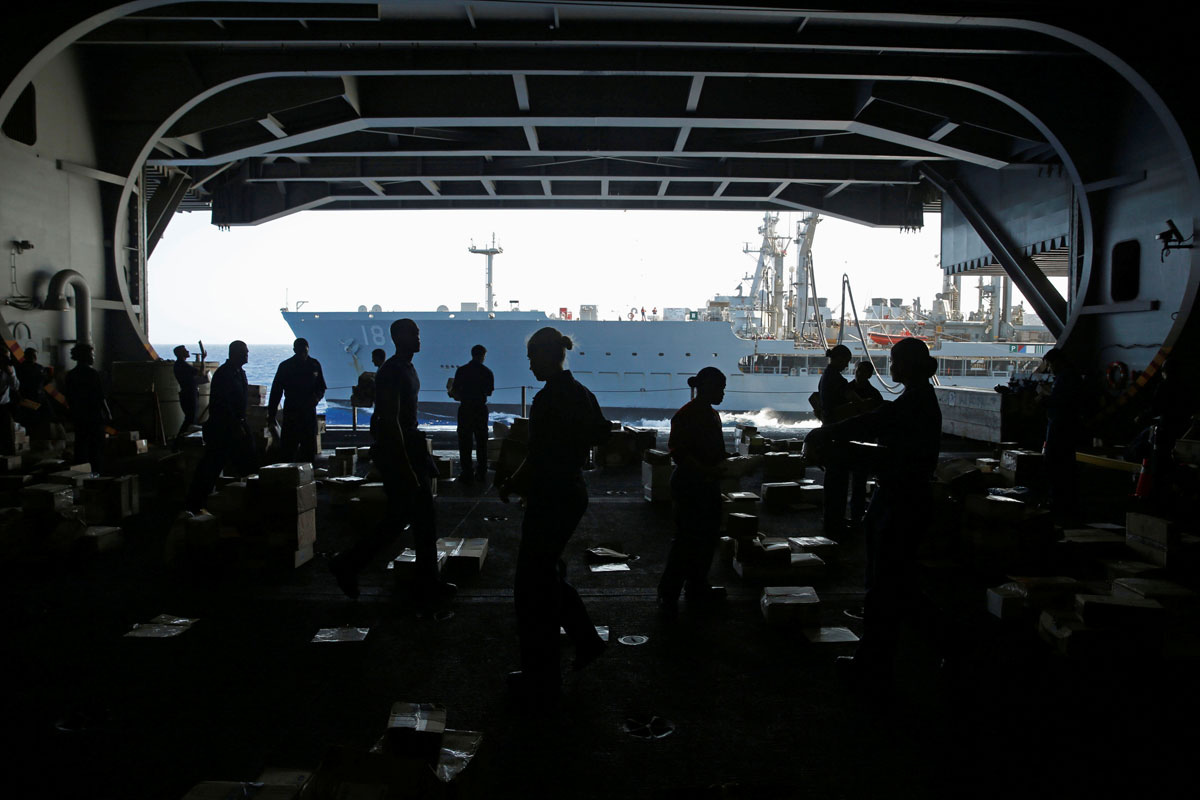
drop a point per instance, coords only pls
(85, 395)
(227, 397)
(564, 422)
(185, 376)
(833, 392)
(696, 431)
(398, 379)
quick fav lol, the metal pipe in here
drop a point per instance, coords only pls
(56, 300)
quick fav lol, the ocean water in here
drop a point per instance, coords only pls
(265, 358)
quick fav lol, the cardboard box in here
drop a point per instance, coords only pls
(415, 729)
(41, 498)
(1006, 601)
(995, 508)
(783, 466)
(464, 557)
(105, 500)
(67, 477)
(791, 605)
(1116, 611)
(653, 495)
(292, 532)
(342, 488)
(821, 546)
(286, 474)
(201, 530)
(741, 526)
(101, 539)
(1156, 531)
(652, 456)
(287, 499)
(1130, 568)
(801, 566)
(231, 501)
(740, 466)
(767, 551)
(445, 467)
(405, 564)
(785, 493)
(1170, 595)
(657, 476)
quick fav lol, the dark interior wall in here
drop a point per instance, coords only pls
(56, 209)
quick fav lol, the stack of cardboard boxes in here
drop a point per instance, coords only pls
(656, 476)
(288, 504)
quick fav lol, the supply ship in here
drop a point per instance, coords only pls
(770, 341)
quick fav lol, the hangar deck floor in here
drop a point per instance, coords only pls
(980, 709)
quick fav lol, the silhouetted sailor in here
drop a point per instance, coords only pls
(910, 428)
(1064, 426)
(33, 378)
(301, 384)
(698, 448)
(834, 391)
(10, 386)
(565, 421)
(363, 393)
(402, 457)
(1169, 415)
(866, 398)
(189, 380)
(227, 439)
(473, 383)
(89, 411)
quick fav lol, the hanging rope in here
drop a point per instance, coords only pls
(847, 291)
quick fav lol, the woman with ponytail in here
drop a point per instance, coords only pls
(697, 447)
(910, 429)
(565, 421)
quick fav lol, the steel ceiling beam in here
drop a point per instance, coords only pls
(1047, 303)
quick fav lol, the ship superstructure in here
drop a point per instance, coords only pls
(770, 341)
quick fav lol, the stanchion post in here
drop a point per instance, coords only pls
(353, 418)
(523, 414)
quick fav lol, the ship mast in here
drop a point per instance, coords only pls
(489, 252)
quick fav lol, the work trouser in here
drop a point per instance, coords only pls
(223, 446)
(298, 435)
(89, 443)
(187, 404)
(858, 493)
(406, 505)
(8, 444)
(837, 483)
(544, 600)
(894, 524)
(472, 435)
(697, 506)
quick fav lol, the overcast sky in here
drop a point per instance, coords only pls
(222, 285)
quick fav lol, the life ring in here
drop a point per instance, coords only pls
(1117, 375)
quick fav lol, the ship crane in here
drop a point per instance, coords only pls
(768, 275)
(806, 284)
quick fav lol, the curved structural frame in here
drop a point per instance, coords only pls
(1101, 193)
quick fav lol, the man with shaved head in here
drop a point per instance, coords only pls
(401, 455)
(301, 384)
(226, 434)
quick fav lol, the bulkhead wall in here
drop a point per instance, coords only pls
(57, 209)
